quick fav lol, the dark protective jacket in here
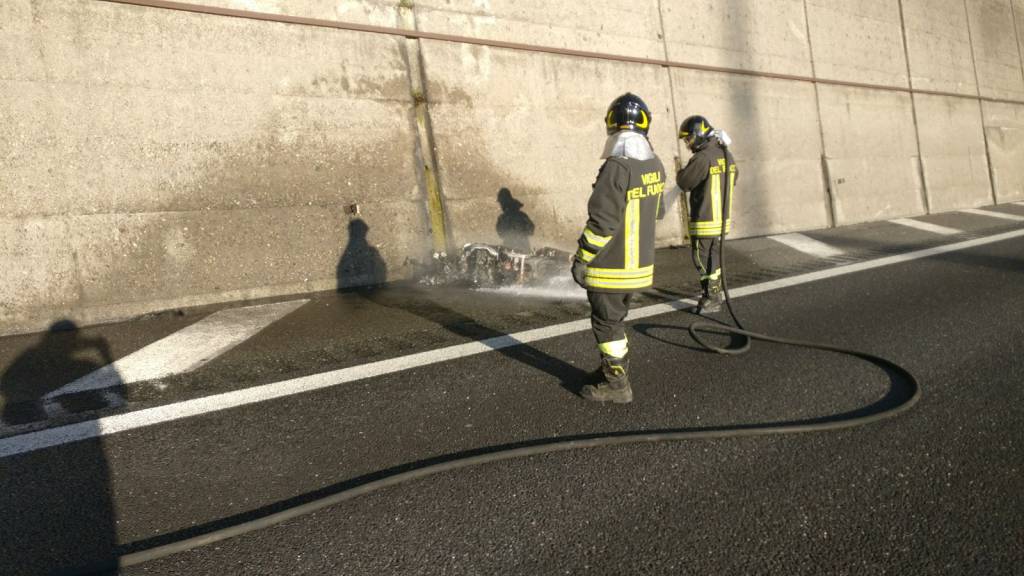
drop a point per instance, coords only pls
(618, 242)
(702, 177)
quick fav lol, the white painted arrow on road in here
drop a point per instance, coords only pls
(994, 214)
(926, 226)
(808, 245)
(185, 350)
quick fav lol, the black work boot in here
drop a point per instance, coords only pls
(712, 298)
(615, 387)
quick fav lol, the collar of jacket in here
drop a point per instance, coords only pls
(710, 143)
(628, 144)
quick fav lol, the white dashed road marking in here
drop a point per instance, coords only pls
(807, 245)
(38, 440)
(933, 228)
(185, 350)
(994, 214)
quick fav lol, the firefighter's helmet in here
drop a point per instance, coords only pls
(695, 131)
(628, 112)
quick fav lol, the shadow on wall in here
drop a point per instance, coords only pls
(57, 504)
(361, 264)
(514, 226)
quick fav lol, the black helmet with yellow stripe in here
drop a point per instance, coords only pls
(695, 131)
(628, 112)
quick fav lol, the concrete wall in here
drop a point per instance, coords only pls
(780, 187)
(154, 159)
(1018, 17)
(996, 49)
(1000, 78)
(858, 41)
(531, 123)
(871, 154)
(766, 36)
(540, 142)
(594, 25)
(1004, 131)
(371, 12)
(939, 46)
(953, 157)
(779, 152)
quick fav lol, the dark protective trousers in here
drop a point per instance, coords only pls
(607, 311)
(704, 252)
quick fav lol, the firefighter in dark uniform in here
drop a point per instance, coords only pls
(710, 169)
(615, 258)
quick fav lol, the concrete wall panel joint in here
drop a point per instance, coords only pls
(977, 81)
(830, 200)
(913, 108)
(681, 205)
(425, 136)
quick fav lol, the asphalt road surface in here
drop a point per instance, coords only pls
(937, 490)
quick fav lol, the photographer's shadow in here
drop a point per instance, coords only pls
(59, 516)
(31, 386)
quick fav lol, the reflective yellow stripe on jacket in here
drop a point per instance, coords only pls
(704, 229)
(590, 244)
(620, 279)
(632, 260)
(595, 239)
(713, 227)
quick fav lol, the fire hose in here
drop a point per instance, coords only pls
(536, 447)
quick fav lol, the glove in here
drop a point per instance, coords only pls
(579, 272)
(722, 137)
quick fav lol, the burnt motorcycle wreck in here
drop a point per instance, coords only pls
(489, 266)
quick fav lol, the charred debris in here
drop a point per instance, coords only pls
(481, 265)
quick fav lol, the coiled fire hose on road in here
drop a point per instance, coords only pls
(411, 472)
(545, 446)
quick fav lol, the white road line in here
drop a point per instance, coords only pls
(31, 441)
(994, 214)
(808, 245)
(185, 350)
(933, 228)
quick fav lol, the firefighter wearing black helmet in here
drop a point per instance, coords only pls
(710, 177)
(615, 258)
